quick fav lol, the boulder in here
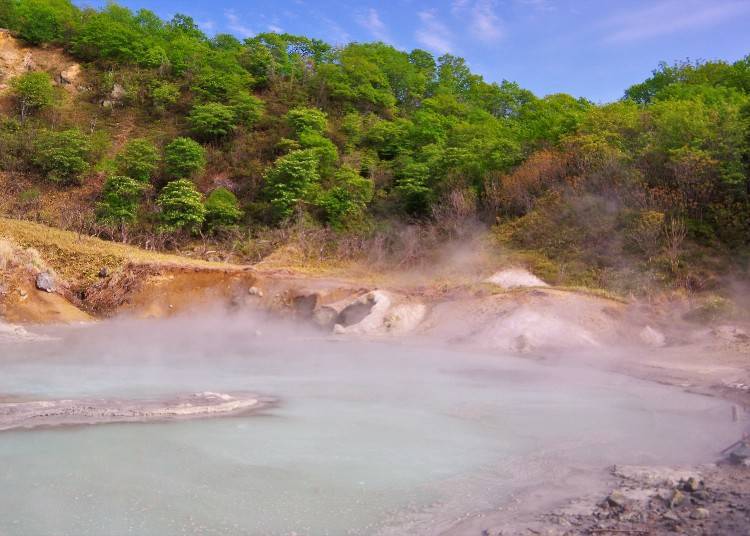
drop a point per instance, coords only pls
(617, 499)
(700, 513)
(677, 499)
(69, 76)
(118, 92)
(45, 281)
(692, 484)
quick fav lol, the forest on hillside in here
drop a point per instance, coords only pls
(367, 151)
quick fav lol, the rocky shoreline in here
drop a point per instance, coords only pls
(20, 414)
(707, 500)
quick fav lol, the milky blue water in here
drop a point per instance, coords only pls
(367, 435)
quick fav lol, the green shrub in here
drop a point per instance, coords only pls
(163, 96)
(222, 209)
(138, 159)
(184, 157)
(30, 196)
(119, 201)
(32, 91)
(212, 120)
(181, 206)
(291, 180)
(328, 154)
(247, 109)
(63, 156)
(301, 119)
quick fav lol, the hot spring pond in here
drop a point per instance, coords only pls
(369, 437)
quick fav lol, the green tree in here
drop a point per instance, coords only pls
(184, 158)
(63, 156)
(44, 21)
(345, 201)
(222, 209)
(212, 120)
(181, 206)
(33, 91)
(8, 13)
(412, 188)
(111, 34)
(119, 202)
(293, 179)
(138, 159)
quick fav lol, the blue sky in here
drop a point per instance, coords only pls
(589, 48)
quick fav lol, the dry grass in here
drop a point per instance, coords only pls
(79, 258)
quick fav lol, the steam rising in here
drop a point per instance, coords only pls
(369, 436)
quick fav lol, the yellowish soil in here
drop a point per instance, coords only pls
(179, 290)
(79, 258)
(140, 282)
(24, 304)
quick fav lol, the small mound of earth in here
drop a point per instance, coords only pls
(379, 313)
(515, 278)
(36, 413)
(527, 321)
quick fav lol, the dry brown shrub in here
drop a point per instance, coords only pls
(455, 213)
(516, 193)
(675, 232)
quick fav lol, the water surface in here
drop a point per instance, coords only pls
(368, 435)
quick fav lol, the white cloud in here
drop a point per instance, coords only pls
(433, 34)
(275, 29)
(336, 33)
(459, 5)
(208, 26)
(669, 17)
(538, 5)
(485, 24)
(372, 22)
(236, 25)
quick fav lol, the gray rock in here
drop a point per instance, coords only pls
(70, 75)
(45, 281)
(692, 484)
(325, 316)
(104, 272)
(740, 454)
(700, 513)
(617, 499)
(671, 516)
(118, 92)
(677, 499)
(701, 495)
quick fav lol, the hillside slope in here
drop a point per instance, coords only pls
(119, 124)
